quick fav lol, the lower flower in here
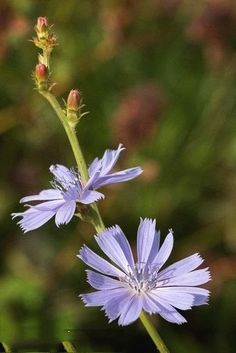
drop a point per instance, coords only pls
(125, 288)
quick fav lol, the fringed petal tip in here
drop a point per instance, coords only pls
(120, 147)
(152, 221)
(79, 256)
(184, 321)
(14, 215)
(24, 230)
(108, 231)
(81, 251)
(110, 320)
(81, 296)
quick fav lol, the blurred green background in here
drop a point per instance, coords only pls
(158, 76)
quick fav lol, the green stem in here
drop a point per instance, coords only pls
(153, 334)
(70, 133)
(6, 347)
(69, 346)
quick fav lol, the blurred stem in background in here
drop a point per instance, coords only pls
(69, 347)
(6, 347)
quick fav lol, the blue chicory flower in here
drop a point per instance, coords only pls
(125, 288)
(68, 190)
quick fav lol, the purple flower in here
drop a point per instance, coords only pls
(60, 201)
(126, 287)
(100, 168)
(68, 189)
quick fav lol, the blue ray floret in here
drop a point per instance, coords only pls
(68, 189)
(125, 287)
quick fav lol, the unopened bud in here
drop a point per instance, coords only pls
(73, 107)
(73, 100)
(41, 27)
(42, 22)
(41, 76)
(45, 39)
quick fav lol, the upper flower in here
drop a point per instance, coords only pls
(68, 190)
(60, 201)
(125, 288)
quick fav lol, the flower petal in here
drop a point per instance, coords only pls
(63, 174)
(193, 278)
(99, 169)
(94, 167)
(98, 263)
(155, 248)
(121, 239)
(90, 196)
(49, 194)
(99, 298)
(65, 213)
(145, 238)
(112, 249)
(114, 307)
(131, 310)
(167, 311)
(118, 177)
(49, 205)
(200, 295)
(180, 267)
(33, 218)
(110, 158)
(101, 282)
(164, 252)
(176, 298)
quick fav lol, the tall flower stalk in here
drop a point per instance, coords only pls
(95, 216)
(69, 122)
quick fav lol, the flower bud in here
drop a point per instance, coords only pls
(73, 100)
(41, 76)
(42, 27)
(42, 22)
(45, 39)
(73, 107)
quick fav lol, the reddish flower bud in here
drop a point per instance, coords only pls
(41, 76)
(73, 100)
(42, 24)
(41, 72)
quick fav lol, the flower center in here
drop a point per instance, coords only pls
(67, 181)
(142, 279)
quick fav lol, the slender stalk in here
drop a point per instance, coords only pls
(6, 347)
(153, 334)
(69, 347)
(97, 219)
(71, 134)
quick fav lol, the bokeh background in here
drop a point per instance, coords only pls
(158, 76)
